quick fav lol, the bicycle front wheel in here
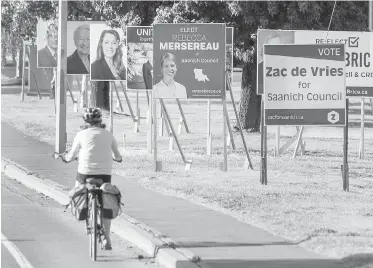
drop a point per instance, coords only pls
(93, 234)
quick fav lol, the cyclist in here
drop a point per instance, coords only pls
(97, 148)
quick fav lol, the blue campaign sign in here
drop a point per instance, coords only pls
(371, 15)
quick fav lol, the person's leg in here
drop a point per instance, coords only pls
(107, 224)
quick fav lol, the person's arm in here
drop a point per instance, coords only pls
(70, 156)
(116, 153)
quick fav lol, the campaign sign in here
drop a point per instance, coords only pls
(371, 15)
(140, 57)
(107, 53)
(359, 75)
(304, 84)
(371, 52)
(189, 60)
(47, 43)
(269, 37)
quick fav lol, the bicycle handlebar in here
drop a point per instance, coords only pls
(58, 155)
(62, 156)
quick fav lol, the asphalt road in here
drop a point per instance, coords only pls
(37, 231)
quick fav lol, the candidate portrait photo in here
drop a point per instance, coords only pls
(78, 47)
(166, 86)
(47, 44)
(139, 65)
(107, 53)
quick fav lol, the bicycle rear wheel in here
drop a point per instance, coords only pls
(93, 234)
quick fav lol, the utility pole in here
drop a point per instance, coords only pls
(60, 146)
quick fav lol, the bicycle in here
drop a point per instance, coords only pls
(94, 225)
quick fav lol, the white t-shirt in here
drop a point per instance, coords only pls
(96, 148)
(174, 91)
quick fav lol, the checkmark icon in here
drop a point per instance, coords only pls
(353, 41)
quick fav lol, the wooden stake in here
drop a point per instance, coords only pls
(250, 165)
(224, 164)
(277, 144)
(345, 172)
(183, 116)
(111, 107)
(209, 136)
(173, 132)
(362, 122)
(299, 141)
(23, 72)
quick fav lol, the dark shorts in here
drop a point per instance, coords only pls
(81, 178)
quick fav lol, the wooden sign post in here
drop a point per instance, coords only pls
(303, 110)
(209, 136)
(361, 144)
(111, 106)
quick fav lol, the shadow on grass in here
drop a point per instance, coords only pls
(218, 245)
(273, 263)
(355, 124)
(284, 263)
(10, 90)
(357, 110)
(353, 261)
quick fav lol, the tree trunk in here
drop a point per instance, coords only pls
(3, 55)
(19, 71)
(100, 95)
(52, 92)
(14, 55)
(250, 104)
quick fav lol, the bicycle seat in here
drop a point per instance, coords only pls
(95, 181)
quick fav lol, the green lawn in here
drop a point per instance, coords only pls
(303, 200)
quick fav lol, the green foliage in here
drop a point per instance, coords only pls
(19, 19)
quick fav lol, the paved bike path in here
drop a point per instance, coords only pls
(220, 240)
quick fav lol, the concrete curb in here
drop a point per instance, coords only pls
(143, 237)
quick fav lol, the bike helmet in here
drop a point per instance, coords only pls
(92, 115)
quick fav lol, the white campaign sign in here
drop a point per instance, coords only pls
(371, 52)
(304, 84)
(359, 62)
(359, 74)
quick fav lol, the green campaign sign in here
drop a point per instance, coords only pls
(304, 84)
(189, 60)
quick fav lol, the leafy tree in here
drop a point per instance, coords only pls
(246, 17)
(299, 15)
(18, 24)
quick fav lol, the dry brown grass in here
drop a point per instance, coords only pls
(303, 200)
